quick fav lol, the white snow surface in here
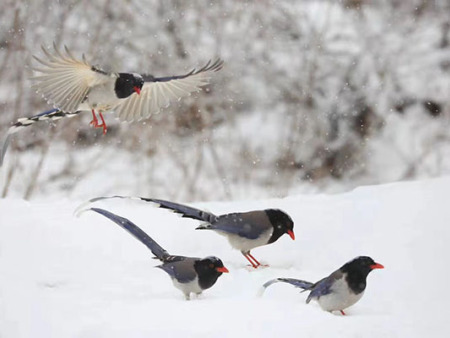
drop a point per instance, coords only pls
(63, 276)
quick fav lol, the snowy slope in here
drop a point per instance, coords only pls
(63, 276)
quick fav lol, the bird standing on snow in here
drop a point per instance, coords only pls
(244, 230)
(341, 289)
(72, 86)
(189, 274)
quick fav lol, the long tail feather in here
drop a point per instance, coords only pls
(183, 210)
(295, 282)
(83, 206)
(137, 233)
(50, 115)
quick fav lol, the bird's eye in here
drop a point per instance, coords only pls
(211, 265)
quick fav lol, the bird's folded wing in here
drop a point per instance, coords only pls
(235, 224)
(182, 270)
(249, 225)
(324, 286)
(157, 93)
(64, 81)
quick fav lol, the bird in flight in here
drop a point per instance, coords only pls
(73, 86)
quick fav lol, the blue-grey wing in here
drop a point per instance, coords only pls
(248, 225)
(182, 270)
(209, 67)
(324, 286)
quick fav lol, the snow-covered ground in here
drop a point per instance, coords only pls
(63, 276)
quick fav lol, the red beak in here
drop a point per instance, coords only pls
(291, 233)
(222, 269)
(377, 266)
(137, 90)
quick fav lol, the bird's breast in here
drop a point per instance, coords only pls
(340, 297)
(189, 287)
(102, 97)
(245, 244)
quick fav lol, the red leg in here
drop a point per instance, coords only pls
(256, 261)
(105, 129)
(253, 264)
(343, 313)
(94, 121)
(95, 124)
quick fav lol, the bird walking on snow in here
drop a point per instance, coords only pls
(188, 274)
(72, 86)
(340, 290)
(244, 230)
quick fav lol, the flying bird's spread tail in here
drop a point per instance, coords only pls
(50, 115)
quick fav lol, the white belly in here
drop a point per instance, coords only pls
(103, 97)
(340, 298)
(188, 288)
(245, 244)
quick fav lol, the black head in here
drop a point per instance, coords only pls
(282, 224)
(127, 84)
(208, 270)
(357, 270)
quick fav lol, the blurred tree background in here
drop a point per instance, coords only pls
(315, 96)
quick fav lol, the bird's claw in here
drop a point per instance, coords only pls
(94, 123)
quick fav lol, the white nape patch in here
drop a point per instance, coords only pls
(245, 244)
(340, 298)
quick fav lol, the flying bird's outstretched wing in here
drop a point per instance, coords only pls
(157, 93)
(64, 81)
